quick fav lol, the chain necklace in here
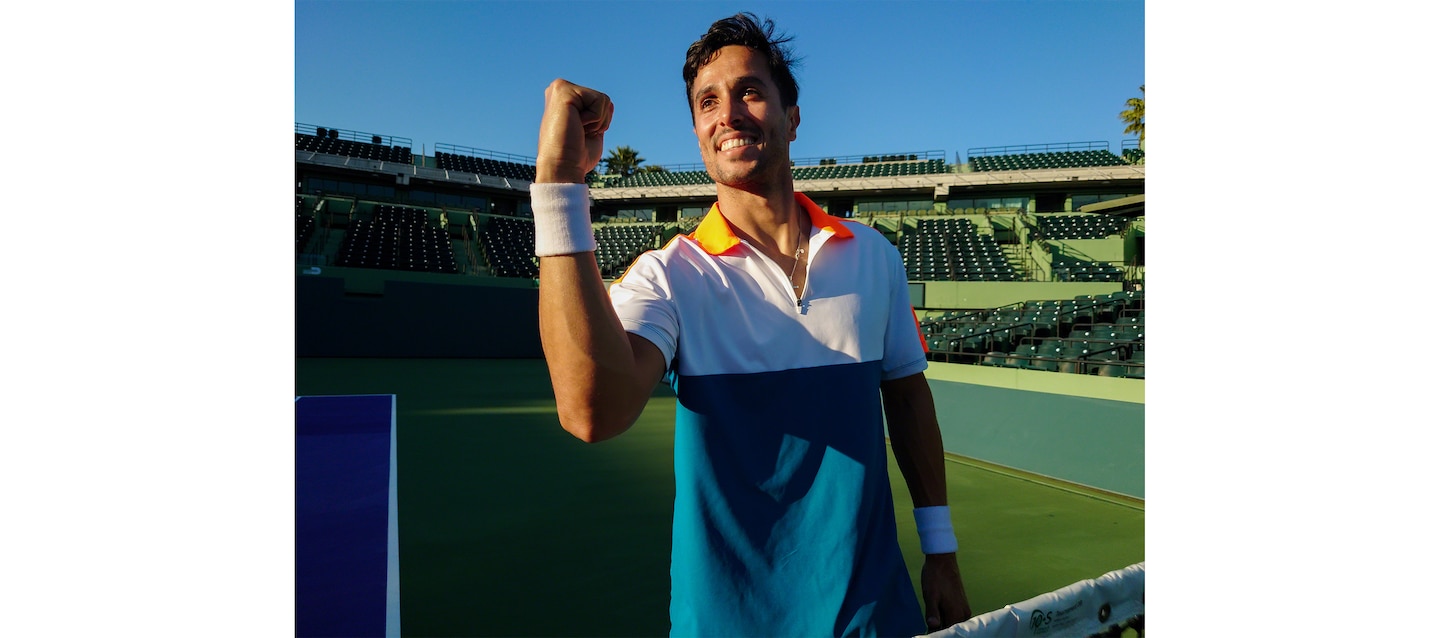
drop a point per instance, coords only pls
(799, 250)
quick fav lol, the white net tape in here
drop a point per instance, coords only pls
(1087, 608)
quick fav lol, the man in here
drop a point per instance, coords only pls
(783, 331)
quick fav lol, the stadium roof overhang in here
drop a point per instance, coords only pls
(940, 185)
(1133, 206)
(402, 173)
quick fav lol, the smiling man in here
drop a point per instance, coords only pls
(789, 339)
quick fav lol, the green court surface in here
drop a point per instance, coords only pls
(511, 527)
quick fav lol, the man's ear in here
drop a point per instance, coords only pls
(794, 116)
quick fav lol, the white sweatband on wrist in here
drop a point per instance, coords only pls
(562, 219)
(937, 535)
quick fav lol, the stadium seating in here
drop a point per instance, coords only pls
(1073, 269)
(871, 169)
(663, 178)
(397, 238)
(484, 166)
(801, 173)
(1078, 226)
(331, 144)
(617, 245)
(508, 244)
(1103, 335)
(951, 249)
(1048, 159)
(509, 247)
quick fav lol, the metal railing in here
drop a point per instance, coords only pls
(354, 136)
(983, 151)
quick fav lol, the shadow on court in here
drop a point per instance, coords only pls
(508, 526)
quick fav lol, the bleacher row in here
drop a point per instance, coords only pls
(937, 249)
(509, 246)
(484, 166)
(661, 178)
(397, 238)
(800, 173)
(1079, 226)
(331, 144)
(1064, 268)
(950, 249)
(871, 169)
(617, 246)
(1049, 159)
(1091, 334)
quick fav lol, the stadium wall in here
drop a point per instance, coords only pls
(343, 312)
(1077, 428)
(975, 295)
(1097, 250)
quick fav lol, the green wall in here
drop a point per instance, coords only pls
(970, 295)
(1077, 428)
(355, 312)
(1096, 250)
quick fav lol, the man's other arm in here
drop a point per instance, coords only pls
(920, 454)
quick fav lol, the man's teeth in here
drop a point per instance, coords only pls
(736, 143)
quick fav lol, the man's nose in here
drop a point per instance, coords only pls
(731, 109)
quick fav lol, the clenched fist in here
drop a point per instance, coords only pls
(572, 132)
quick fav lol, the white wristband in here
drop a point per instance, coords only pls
(562, 219)
(937, 535)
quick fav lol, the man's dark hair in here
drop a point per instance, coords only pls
(745, 30)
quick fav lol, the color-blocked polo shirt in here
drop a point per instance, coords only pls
(784, 524)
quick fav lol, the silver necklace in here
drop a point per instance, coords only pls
(799, 250)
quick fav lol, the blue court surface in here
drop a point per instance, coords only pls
(346, 559)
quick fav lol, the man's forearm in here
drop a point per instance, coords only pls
(915, 438)
(600, 387)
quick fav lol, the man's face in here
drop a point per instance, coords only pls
(743, 131)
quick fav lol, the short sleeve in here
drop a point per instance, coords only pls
(643, 301)
(904, 349)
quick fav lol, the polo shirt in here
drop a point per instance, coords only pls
(784, 523)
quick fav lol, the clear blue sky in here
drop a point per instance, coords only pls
(877, 77)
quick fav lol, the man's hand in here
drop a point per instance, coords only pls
(572, 132)
(945, 601)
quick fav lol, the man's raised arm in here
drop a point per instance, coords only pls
(602, 375)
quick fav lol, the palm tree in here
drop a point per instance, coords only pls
(1134, 116)
(623, 161)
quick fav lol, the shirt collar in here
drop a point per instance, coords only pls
(715, 235)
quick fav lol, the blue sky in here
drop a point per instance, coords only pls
(877, 77)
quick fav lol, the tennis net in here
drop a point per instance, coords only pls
(1105, 606)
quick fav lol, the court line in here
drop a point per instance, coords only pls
(392, 543)
(1078, 489)
(1114, 498)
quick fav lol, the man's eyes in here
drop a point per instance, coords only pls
(708, 102)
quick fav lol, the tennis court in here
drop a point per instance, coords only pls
(508, 526)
